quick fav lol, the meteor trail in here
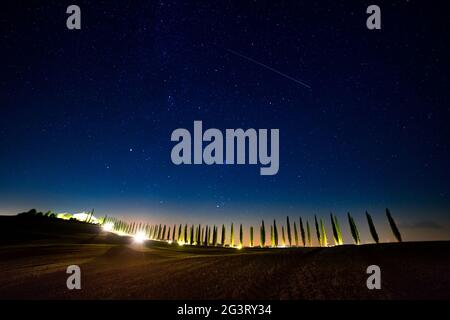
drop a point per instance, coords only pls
(269, 68)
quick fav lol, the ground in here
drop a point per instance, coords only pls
(34, 255)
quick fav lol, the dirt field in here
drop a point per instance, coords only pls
(34, 256)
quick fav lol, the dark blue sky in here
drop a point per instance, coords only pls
(86, 116)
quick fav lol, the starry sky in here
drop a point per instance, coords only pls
(86, 115)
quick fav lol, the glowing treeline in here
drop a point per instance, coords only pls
(291, 235)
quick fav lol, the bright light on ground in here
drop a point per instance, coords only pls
(109, 226)
(139, 237)
(239, 247)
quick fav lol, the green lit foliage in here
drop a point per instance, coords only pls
(295, 234)
(262, 235)
(324, 234)
(302, 232)
(353, 229)
(251, 236)
(373, 230)
(288, 230)
(319, 240)
(338, 230)
(394, 228)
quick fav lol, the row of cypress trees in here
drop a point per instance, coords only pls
(209, 236)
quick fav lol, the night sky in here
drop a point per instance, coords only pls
(86, 115)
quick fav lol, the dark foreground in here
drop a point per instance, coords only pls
(33, 266)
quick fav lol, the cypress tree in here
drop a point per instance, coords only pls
(372, 229)
(205, 242)
(263, 235)
(308, 231)
(159, 232)
(241, 236)
(223, 236)
(173, 232)
(191, 238)
(179, 233)
(288, 229)
(338, 229)
(333, 226)
(251, 236)
(295, 234)
(272, 238)
(353, 228)
(319, 240)
(275, 233)
(283, 239)
(164, 233)
(199, 235)
(302, 232)
(394, 228)
(168, 234)
(209, 236)
(324, 234)
(232, 235)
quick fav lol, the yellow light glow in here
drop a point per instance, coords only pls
(181, 243)
(108, 227)
(139, 237)
(239, 247)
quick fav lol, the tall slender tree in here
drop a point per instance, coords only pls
(262, 235)
(319, 240)
(302, 232)
(272, 238)
(353, 229)
(288, 230)
(283, 239)
(308, 231)
(215, 236)
(373, 230)
(232, 235)
(295, 234)
(223, 236)
(393, 225)
(251, 236)
(241, 236)
(338, 229)
(333, 226)
(324, 234)
(275, 233)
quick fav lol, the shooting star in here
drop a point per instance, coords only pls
(268, 68)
